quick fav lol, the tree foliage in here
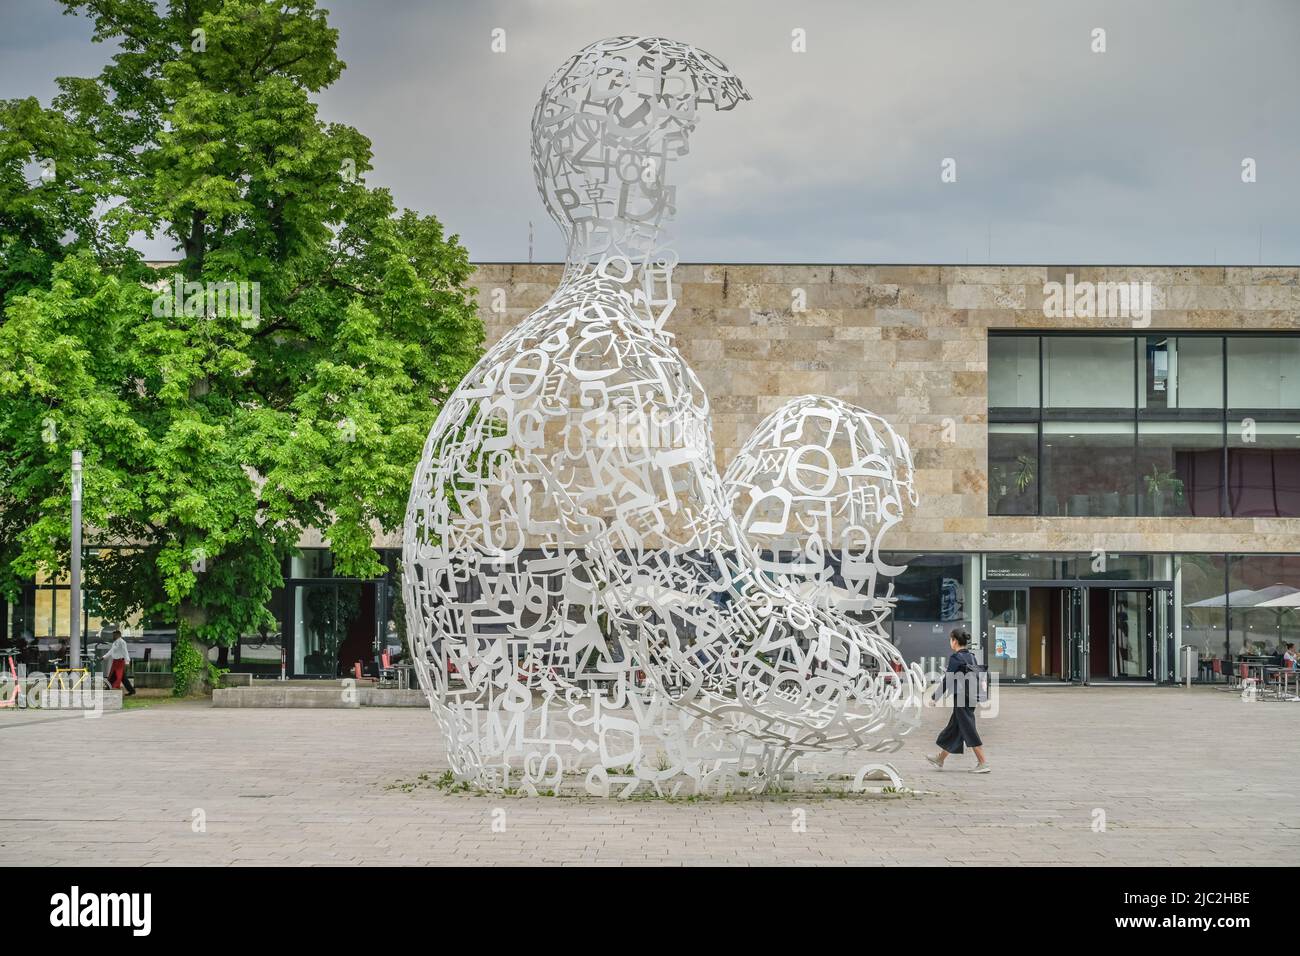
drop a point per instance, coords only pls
(212, 437)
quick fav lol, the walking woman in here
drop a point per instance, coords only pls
(115, 666)
(960, 731)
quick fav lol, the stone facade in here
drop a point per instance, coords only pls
(910, 343)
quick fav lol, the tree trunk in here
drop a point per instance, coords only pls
(190, 662)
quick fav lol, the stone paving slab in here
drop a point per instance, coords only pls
(1183, 777)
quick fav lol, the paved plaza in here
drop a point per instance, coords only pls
(1182, 777)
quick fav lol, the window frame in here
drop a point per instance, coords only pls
(1138, 414)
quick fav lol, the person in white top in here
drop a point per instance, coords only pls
(115, 664)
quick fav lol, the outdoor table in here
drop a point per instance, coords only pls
(1285, 676)
(1257, 669)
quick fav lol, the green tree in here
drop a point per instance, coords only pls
(213, 434)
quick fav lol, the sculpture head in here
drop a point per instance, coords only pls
(610, 123)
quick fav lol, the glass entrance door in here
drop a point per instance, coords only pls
(1132, 634)
(1074, 648)
(315, 644)
(1006, 632)
(1164, 636)
(333, 627)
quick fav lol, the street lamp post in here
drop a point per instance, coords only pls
(75, 595)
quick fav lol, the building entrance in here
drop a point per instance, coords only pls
(1079, 634)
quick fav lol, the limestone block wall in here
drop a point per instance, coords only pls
(910, 343)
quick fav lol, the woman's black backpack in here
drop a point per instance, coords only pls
(981, 673)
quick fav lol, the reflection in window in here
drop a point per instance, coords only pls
(395, 642)
(1088, 469)
(1088, 371)
(1264, 469)
(1182, 373)
(1013, 371)
(44, 613)
(1041, 567)
(315, 647)
(1006, 643)
(312, 563)
(1115, 567)
(1262, 598)
(1013, 469)
(1204, 606)
(930, 600)
(260, 653)
(1180, 468)
(1264, 372)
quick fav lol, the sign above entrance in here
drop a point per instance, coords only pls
(1097, 566)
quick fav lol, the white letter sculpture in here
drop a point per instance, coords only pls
(587, 600)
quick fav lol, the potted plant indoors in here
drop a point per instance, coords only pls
(1164, 488)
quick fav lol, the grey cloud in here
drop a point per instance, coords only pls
(1063, 155)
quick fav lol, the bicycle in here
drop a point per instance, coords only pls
(61, 680)
(9, 698)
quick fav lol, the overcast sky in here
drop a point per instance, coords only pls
(1062, 155)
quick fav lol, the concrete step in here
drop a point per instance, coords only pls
(329, 695)
(392, 697)
(42, 697)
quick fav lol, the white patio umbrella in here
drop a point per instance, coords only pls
(1277, 597)
(1267, 595)
(1286, 600)
(1234, 598)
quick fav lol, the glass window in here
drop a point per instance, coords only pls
(929, 601)
(1089, 371)
(1006, 645)
(1262, 617)
(1182, 373)
(44, 613)
(1013, 469)
(1040, 567)
(259, 651)
(312, 563)
(1109, 566)
(315, 646)
(1204, 607)
(1264, 372)
(1088, 469)
(1264, 469)
(395, 641)
(333, 628)
(1013, 371)
(1180, 468)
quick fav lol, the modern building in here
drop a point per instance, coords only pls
(1108, 457)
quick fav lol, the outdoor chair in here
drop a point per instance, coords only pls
(1217, 671)
(1234, 672)
(387, 673)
